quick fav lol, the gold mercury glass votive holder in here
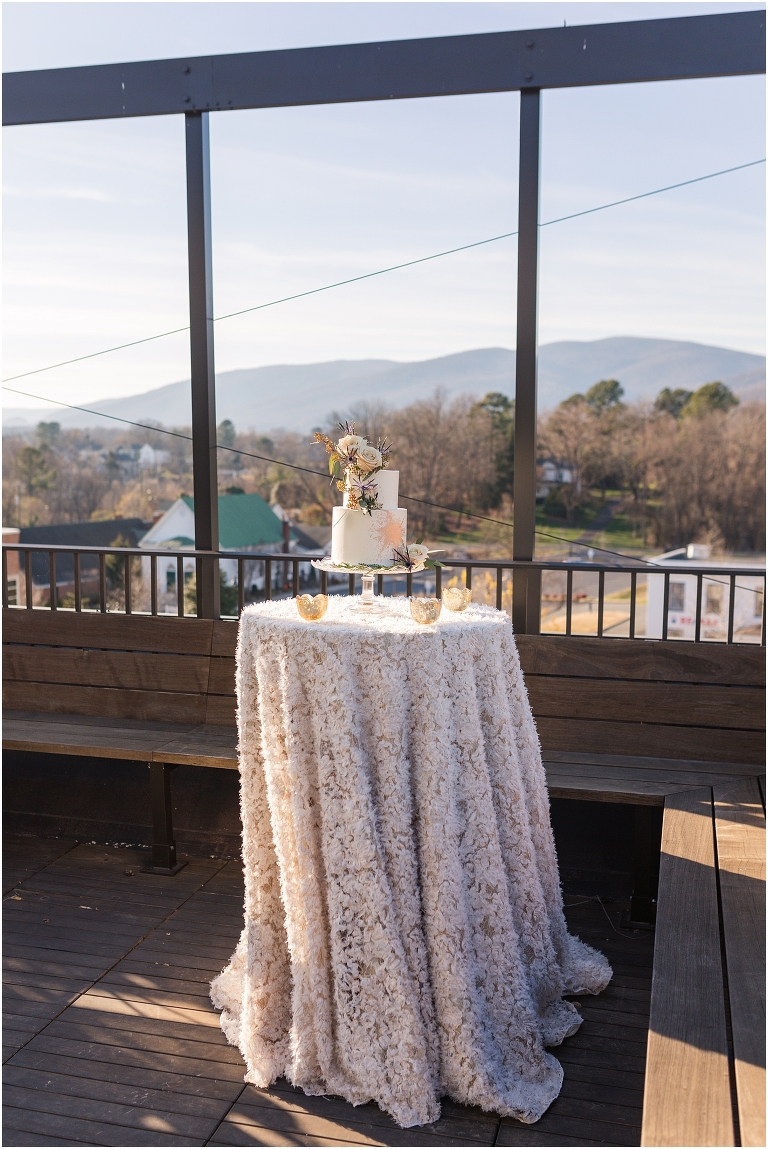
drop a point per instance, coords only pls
(425, 610)
(457, 597)
(312, 608)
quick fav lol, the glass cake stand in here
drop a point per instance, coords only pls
(366, 602)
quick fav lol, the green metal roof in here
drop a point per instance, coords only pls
(244, 521)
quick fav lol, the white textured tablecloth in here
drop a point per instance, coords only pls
(404, 934)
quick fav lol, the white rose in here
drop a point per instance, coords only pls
(418, 552)
(350, 443)
(368, 458)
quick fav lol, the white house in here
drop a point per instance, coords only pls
(551, 474)
(715, 598)
(246, 523)
(151, 457)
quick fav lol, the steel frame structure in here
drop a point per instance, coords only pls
(694, 47)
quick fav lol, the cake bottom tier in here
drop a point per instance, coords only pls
(358, 539)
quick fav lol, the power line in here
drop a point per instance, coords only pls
(644, 195)
(381, 271)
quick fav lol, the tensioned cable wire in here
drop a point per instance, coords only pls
(381, 271)
(323, 475)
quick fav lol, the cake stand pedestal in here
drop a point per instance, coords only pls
(366, 602)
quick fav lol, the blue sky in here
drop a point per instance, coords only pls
(95, 214)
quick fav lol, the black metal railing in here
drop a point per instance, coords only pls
(702, 604)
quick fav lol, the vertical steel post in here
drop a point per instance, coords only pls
(204, 464)
(164, 860)
(526, 598)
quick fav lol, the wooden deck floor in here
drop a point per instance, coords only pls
(110, 1038)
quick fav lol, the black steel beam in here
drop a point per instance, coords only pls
(689, 47)
(204, 460)
(525, 584)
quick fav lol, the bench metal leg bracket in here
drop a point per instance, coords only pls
(163, 843)
(647, 848)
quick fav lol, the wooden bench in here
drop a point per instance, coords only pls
(161, 690)
(155, 690)
(705, 1074)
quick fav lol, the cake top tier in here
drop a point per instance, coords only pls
(387, 484)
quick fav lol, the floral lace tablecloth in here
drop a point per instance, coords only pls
(404, 934)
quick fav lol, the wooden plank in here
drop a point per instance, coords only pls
(232, 1132)
(642, 659)
(649, 740)
(99, 1131)
(668, 781)
(193, 745)
(97, 722)
(677, 704)
(761, 784)
(220, 711)
(351, 1129)
(112, 1051)
(162, 634)
(102, 1108)
(17, 1137)
(258, 1106)
(214, 747)
(222, 676)
(138, 1038)
(142, 1096)
(224, 639)
(740, 832)
(569, 1127)
(105, 702)
(665, 765)
(113, 1001)
(687, 1090)
(639, 794)
(84, 741)
(179, 1086)
(128, 670)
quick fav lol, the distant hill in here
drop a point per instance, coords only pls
(300, 397)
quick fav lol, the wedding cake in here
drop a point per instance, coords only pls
(369, 529)
(369, 538)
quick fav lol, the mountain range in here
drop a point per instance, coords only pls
(300, 397)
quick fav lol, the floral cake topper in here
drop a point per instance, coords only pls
(352, 463)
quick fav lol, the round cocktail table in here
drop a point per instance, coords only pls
(404, 934)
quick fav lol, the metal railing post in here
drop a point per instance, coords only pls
(526, 592)
(204, 462)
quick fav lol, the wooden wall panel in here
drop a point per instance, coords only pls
(678, 704)
(642, 660)
(128, 670)
(222, 676)
(224, 641)
(163, 633)
(221, 711)
(690, 742)
(151, 705)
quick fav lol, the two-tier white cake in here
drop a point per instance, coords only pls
(370, 539)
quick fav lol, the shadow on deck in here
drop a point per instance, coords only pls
(110, 1038)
